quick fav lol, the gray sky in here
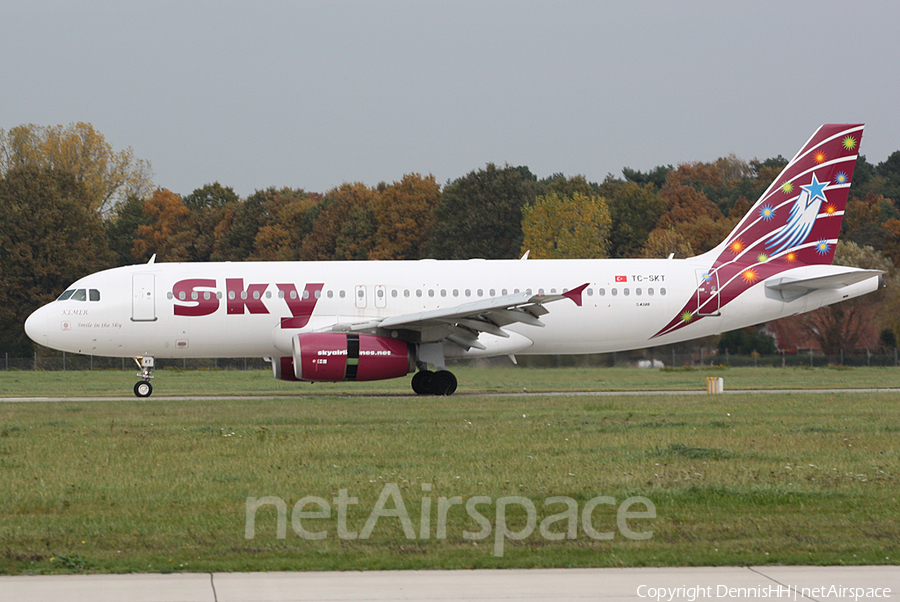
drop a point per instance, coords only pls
(313, 94)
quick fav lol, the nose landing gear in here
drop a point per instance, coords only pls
(143, 388)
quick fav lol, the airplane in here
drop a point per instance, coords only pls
(359, 321)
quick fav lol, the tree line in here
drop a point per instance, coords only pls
(70, 205)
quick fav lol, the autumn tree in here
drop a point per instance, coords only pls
(343, 225)
(122, 227)
(49, 237)
(634, 210)
(404, 214)
(663, 242)
(274, 222)
(168, 233)
(848, 324)
(108, 177)
(566, 227)
(208, 207)
(480, 214)
(567, 185)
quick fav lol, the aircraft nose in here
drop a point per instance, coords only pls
(36, 326)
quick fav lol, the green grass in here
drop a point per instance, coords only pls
(170, 381)
(161, 485)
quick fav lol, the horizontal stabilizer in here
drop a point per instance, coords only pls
(791, 288)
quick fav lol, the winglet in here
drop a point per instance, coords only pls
(575, 293)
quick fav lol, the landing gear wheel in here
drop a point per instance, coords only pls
(421, 382)
(143, 388)
(443, 383)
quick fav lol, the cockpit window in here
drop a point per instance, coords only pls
(80, 295)
(66, 294)
(94, 294)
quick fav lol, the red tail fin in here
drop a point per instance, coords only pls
(795, 222)
(798, 219)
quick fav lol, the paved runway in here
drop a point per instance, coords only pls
(674, 584)
(518, 394)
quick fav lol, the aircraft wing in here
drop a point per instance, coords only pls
(791, 288)
(463, 323)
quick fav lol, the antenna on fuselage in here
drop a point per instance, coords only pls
(152, 259)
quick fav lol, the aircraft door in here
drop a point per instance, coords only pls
(143, 302)
(360, 293)
(708, 299)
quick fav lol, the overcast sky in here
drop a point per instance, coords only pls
(314, 94)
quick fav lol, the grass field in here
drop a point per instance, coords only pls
(108, 383)
(161, 485)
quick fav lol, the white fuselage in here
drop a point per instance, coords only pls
(627, 301)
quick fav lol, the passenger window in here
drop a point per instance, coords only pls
(94, 294)
(602, 292)
(80, 295)
(406, 292)
(662, 292)
(418, 292)
(66, 295)
(342, 294)
(480, 292)
(330, 294)
(590, 292)
(615, 292)
(650, 291)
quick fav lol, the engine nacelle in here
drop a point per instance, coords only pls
(283, 368)
(337, 356)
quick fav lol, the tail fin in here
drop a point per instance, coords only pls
(798, 218)
(795, 222)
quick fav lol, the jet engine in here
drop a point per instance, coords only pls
(336, 356)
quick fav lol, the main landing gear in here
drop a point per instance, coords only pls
(143, 388)
(426, 382)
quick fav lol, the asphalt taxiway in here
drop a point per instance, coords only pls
(671, 584)
(458, 394)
